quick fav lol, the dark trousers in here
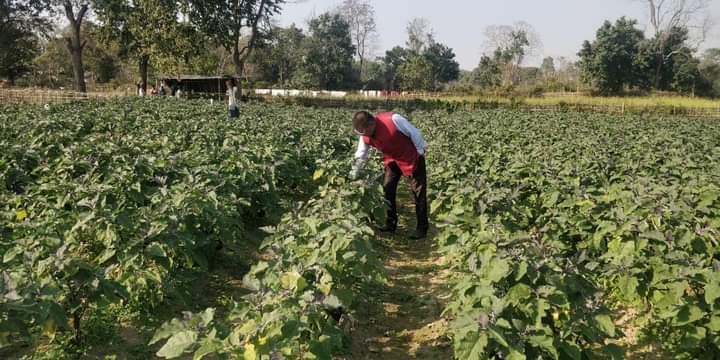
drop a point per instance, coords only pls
(418, 185)
(234, 112)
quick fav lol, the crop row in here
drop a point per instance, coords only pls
(570, 232)
(105, 203)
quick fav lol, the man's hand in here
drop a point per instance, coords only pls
(357, 166)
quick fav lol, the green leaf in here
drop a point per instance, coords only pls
(518, 293)
(503, 323)
(208, 347)
(177, 344)
(571, 350)
(605, 324)
(521, 270)
(496, 334)
(712, 289)
(689, 314)
(106, 255)
(207, 316)
(551, 199)
(471, 346)
(693, 337)
(628, 287)
(615, 352)
(293, 281)
(654, 235)
(708, 197)
(545, 343)
(499, 268)
(515, 355)
(715, 323)
(11, 254)
(156, 250)
(168, 329)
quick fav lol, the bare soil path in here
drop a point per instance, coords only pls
(403, 318)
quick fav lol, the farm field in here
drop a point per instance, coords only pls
(143, 228)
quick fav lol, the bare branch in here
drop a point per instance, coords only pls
(245, 51)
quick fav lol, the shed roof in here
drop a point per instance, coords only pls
(194, 77)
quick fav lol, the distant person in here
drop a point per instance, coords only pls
(403, 148)
(231, 92)
(161, 90)
(153, 90)
(140, 90)
(178, 93)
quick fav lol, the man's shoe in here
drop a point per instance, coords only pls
(418, 235)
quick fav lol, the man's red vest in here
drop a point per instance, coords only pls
(395, 146)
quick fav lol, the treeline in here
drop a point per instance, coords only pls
(622, 59)
(328, 56)
(128, 42)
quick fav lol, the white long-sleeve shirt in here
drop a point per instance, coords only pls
(232, 97)
(405, 127)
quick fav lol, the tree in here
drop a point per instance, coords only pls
(663, 68)
(416, 74)
(548, 67)
(360, 15)
(145, 30)
(487, 74)
(567, 73)
(686, 75)
(227, 21)
(510, 46)
(665, 17)
(17, 49)
(420, 35)
(710, 69)
(280, 54)
(75, 11)
(609, 63)
(27, 15)
(21, 24)
(329, 51)
(393, 59)
(442, 62)
(53, 68)
(375, 75)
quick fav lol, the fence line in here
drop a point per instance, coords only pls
(38, 96)
(437, 104)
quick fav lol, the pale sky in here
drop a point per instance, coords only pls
(561, 24)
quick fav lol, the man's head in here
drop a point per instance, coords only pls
(229, 83)
(364, 123)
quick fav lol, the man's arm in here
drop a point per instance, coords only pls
(360, 158)
(405, 127)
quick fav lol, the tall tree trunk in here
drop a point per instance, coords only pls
(143, 68)
(362, 69)
(240, 55)
(239, 63)
(659, 60)
(74, 45)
